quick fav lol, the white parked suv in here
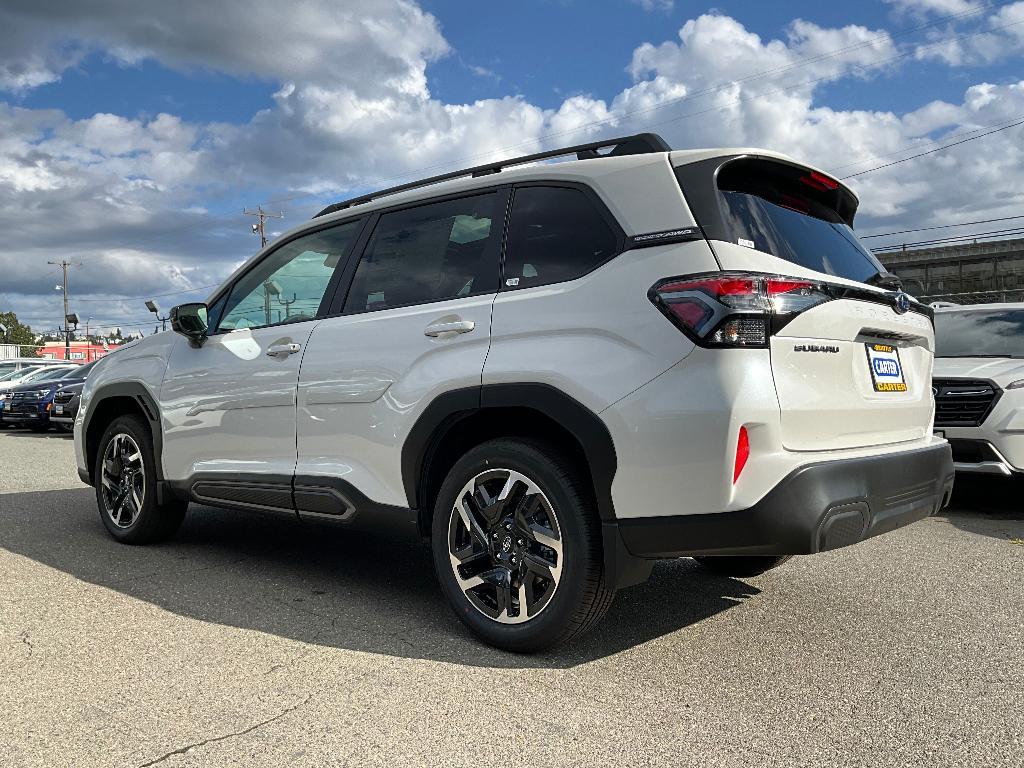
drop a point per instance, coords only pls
(979, 386)
(556, 372)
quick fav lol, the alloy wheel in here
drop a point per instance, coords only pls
(505, 546)
(123, 479)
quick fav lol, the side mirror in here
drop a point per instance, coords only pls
(190, 320)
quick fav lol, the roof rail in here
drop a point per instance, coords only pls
(639, 144)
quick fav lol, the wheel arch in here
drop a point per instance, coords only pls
(455, 421)
(120, 399)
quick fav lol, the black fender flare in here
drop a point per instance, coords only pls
(447, 409)
(621, 568)
(147, 404)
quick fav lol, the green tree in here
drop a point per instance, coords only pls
(18, 333)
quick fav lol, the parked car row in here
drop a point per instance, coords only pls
(41, 396)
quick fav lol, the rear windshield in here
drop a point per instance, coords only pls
(980, 333)
(795, 214)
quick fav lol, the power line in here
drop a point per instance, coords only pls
(917, 145)
(157, 295)
(995, 233)
(932, 151)
(941, 226)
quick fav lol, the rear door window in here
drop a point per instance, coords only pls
(555, 234)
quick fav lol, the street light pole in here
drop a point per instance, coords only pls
(152, 307)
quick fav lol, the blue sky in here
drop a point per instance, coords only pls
(145, 135)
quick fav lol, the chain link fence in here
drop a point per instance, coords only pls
(975, 297)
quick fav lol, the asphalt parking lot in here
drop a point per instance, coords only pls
(254, 641)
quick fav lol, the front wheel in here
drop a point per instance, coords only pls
(517, 546)
(742, 565)
(125, 474)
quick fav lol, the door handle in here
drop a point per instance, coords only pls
(450, 326)
(283, 350)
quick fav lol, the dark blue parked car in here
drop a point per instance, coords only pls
(32, 405)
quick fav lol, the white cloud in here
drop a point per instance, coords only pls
(936, 7)
(352, 110)
(359, 43)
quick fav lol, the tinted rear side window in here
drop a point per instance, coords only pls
(795, 214)
(429, 253)
(555, 234)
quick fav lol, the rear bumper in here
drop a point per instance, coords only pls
(817, 507)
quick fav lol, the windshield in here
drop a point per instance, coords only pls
(980, 333)
(794, 214)
(24, 373)
(48, 374)
(8, 372)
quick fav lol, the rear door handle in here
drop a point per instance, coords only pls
(449, 326)
(283, 350)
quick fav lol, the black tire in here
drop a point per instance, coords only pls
(152, 522)
(579, 596)
(742, 565)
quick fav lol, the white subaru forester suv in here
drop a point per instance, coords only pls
(556, 372)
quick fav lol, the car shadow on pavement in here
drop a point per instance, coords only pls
(980, 501)
(325, 585)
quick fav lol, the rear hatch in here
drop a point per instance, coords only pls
(852, 364)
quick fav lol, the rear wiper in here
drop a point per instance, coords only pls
(885, 280)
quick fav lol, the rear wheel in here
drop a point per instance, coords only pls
(517, 546)
(742, 565)
(125, 475)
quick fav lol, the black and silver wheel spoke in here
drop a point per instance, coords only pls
(505, 546)
(123, 480)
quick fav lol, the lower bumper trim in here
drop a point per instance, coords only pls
(818, 507)
(984, 468)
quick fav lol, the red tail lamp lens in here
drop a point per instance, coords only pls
(742, 453)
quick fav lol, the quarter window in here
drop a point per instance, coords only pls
(289, 284)
(555, 234)
(428, 253)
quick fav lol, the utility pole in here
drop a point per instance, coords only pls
(64, 264)
(259, 228)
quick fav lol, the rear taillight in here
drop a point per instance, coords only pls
(735, 310)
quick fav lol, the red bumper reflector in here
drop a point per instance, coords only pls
(742, 453)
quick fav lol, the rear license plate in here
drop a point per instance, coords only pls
(886, 370)
(58, 409)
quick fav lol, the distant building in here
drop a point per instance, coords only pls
(966, 273)
(81, 351)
